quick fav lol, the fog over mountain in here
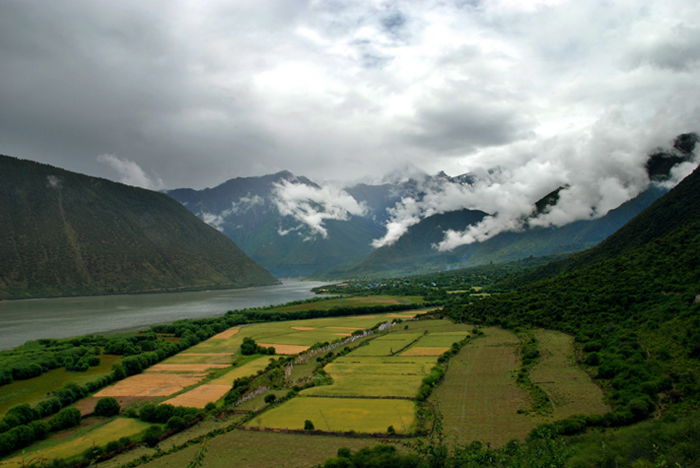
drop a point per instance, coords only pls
(527, 96)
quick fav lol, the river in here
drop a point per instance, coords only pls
(24, 320)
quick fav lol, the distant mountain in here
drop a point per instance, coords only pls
(413, 253)
(66, 234)
(245, 209)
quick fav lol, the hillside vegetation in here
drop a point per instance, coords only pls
(67, 234)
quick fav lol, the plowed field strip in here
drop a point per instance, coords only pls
(479, 397)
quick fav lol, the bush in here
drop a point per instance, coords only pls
(66, 418)
(175, 423)
(107, 407)
(270, 398)
(152, 436)
(309, 426)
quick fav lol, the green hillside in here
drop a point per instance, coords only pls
(66, 234)
(633, 303)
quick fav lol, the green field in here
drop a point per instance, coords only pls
(374, 376)
(74, 442)
(568, 386)
(351, 302)
(387, 344)
(251, 449)
(339, 415)
(34, 390)
(245, 370)
(479, 398)
(440, 340)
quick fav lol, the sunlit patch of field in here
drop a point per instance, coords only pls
(186, 367)
(226, 334)
(374, 376)
(437, 340)
(245, 370)
(339, 414)
(285, 349)
(568, 386)
(387, 344)
(150, 385)
(200, 358)
(479, 398)
(421, 351)
(198, 397)
(78, 441)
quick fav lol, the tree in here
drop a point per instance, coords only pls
(107, 407)
(309, 426)
(152, 436)
(270, 398)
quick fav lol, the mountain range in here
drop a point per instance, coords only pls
(68, 234)
(295, 227)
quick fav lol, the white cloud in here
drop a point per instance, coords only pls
(312, 206)
(131, 173)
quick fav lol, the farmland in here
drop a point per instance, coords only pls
(340, 415)
(479, 397)
(370, 387)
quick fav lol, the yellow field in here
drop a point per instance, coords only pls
(418, 351)
(245, 370)
(198, 397)
(81, 440)
(150, 385)
(374, 376)
(339, 415)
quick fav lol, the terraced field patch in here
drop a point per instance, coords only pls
(339, 415)
(245, 370)
(374, 376)
(226, 334)
(387, 344)
(424, 351)
(150, 385)
(479, 398)
(568, 386)
(198, 397)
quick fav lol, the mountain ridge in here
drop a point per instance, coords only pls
(69, 234)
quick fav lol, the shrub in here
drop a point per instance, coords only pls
(152, 436)
(108, 406)
(66, 418)
(309, 426)
(270, 398)
(175, 423)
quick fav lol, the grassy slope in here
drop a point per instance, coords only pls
(70, 234)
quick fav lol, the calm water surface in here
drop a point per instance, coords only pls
(21, 321)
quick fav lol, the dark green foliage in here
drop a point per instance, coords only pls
(65, 419)
(100, 237)
(270, 398)
(175, 423)
(107, 407)
(152, 436)
(308, 425)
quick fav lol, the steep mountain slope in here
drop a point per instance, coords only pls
(633, 303)
(65, 234)
(245, 209)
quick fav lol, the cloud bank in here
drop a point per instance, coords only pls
(311, 206)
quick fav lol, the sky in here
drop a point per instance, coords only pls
(168, 94)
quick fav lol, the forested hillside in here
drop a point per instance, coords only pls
(633, 303)
(65, 234)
